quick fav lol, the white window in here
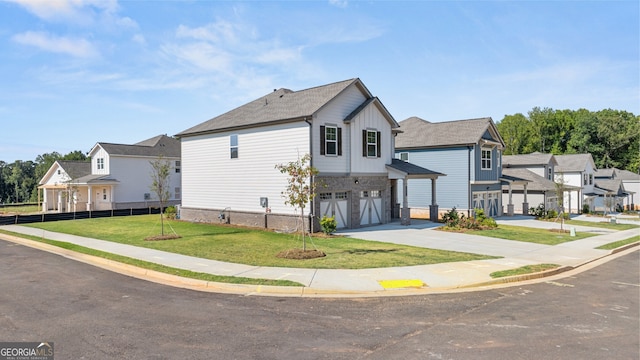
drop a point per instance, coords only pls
(404, 156)
(550, 175)
(100, 162)
(324, 196)
(233, 143)
(590, 179)
(177, 166)
(372, 143)
(104, 194)
(177, 193)
(331, 140)
(584, 179)
(486, 159)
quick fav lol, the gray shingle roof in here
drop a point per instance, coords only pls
(412, 169)
(536, 182)
(279, 106)
(612, 186)
(528, 159)
(419, 133)
(573, 162)
(161, 145)
(627, 175)
(75, 169)
(605, 173)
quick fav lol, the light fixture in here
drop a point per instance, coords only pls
(357, 182)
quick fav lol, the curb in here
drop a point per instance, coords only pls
(282, 291)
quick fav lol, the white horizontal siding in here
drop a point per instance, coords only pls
(451, 190)
(134, 175)
(212, 180)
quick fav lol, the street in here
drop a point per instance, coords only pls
(90, 313)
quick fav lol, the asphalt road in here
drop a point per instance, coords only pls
(90, 313)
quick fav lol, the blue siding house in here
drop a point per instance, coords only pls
(468, 151)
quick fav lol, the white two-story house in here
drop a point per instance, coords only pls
(578, 171)
(228, 162)
(118, 177)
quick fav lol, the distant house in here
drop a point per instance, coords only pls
(614, 190)
(229, 161)
(576, 170)
(118, 177)
(469, 153)
(538, 170)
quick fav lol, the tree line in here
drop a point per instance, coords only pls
(19, 180)
(612, 137)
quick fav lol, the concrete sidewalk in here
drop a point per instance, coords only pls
(366, 282)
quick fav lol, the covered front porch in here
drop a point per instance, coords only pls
(404, 171)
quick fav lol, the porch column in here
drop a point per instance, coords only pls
(89, 191)
(525, 204)
(433, 208)
(111, 196)
(510, 204)
(59, 201)
(405, 217)
(44, 200)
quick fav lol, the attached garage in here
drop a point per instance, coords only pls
(370, 207)
(335, 204)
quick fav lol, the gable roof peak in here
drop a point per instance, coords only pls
(278, 106)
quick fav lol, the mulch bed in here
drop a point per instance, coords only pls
(299, 254)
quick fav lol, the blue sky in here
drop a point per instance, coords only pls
(77, 72)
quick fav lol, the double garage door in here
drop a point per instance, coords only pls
(337, 204)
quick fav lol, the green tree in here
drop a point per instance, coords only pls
(515, 130)
(160, 182)
(300, 188)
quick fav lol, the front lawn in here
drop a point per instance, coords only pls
(534, 235)
(617, 244)
(604, 224)
(253, 247)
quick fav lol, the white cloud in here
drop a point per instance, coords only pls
(72, 46)
(339, 3)
(80, 12)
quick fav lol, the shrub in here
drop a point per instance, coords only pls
(585, 209)
(170, 212)
(539, 212)
(328, 224)
(451, 218)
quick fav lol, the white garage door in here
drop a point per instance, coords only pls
(492, 207)
(335, 204)
(370, 208)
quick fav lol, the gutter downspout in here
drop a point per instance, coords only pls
(470, 204)
(313, 202)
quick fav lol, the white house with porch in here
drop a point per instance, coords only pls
(118, 177)
(229, 161)
(576, 170)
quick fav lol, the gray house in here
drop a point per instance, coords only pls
(469, 153)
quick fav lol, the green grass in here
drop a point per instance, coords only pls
(602, 225)
(254, 247)
(529, 269)
(157, 267)
(617, 244)
(20, 210)
(533, 235)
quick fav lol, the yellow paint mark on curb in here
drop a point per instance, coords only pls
(394, 284)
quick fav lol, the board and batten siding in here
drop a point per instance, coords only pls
(212, 180)
(496, 162)
(100, 153)
(334, 114)
(452, 189)
(370, 118)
